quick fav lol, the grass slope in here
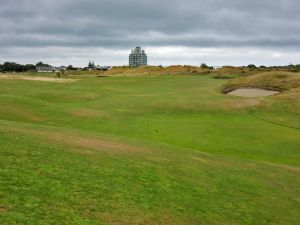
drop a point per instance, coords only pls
(278, 81)
(283, 109)
(145, 150)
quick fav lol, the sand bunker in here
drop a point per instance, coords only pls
(47, 79)
(252, 92)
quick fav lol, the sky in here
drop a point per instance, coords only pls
(172, 32)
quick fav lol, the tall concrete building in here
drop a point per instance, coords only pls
(137, 57)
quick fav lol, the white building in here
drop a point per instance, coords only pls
(137, 57)
(49, 69)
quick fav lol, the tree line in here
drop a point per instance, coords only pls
(290, 67)
(18, 68)
(15, 67)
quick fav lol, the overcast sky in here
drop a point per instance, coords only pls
(216, 32)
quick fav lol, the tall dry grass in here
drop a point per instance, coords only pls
(278, 81)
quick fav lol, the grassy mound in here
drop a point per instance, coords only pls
(278, 108)
(229, 71)
(157, 70)
(277, 81)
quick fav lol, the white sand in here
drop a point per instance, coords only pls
(252, 92)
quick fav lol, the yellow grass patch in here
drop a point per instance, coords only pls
(293, 95)
(240, 103)
(80, 143)
(20, 113)
(156, 70)
(4, 208)
(166, 218)
(88, 113)
(46, 79)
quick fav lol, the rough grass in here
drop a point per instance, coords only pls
(156, 70)
(146, 150)
(225, 72)
(280, 107)
(277, 81)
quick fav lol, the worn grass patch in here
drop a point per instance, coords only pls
(77, 141)
(88, 113)
(34, 78)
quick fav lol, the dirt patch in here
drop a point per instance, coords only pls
(252, 92)
(19, 112)
(89, 113)
(4, 208)
(295, 169)
(46, 79)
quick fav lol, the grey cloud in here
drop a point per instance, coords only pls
(116, 18)
(123, 24)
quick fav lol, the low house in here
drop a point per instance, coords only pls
(103, 68)
(50, 69)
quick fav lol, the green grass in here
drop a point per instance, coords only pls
(146, 150)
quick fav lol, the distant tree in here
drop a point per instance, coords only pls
(12, 67)
(263, 67)
(70, 67)
(204, 66)
(291, 67)
(15, 67)
(251, 66)
(7, 67)
(29, 67)
(42, 64)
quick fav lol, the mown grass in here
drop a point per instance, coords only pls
(145, 150)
